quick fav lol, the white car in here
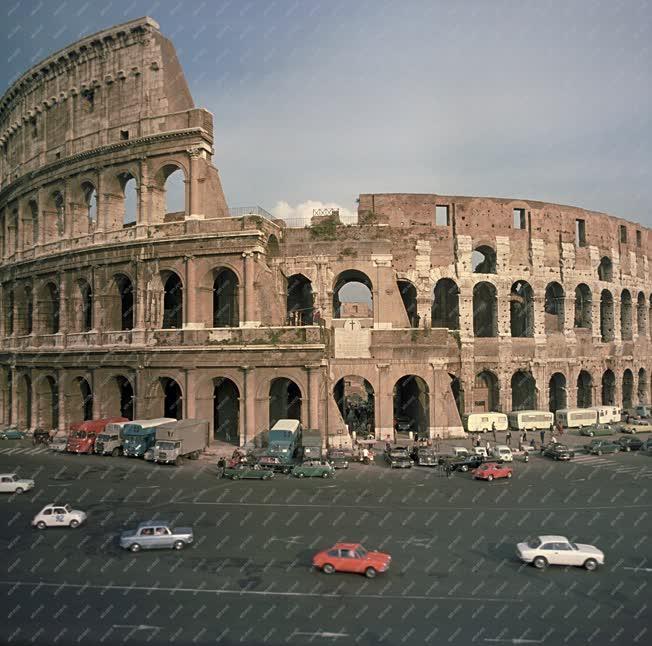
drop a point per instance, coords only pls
(59, 443)
(55, 515)
(558, 550)
(502, 452)
(11, 483)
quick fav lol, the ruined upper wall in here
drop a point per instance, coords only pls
(119, 84)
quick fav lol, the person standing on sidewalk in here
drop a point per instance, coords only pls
(493, 430)
(508, 438)
(543, 436)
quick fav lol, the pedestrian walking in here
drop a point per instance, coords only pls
(493, 430)
(524, 437)
(488, 447)
(508, 438)
(449, 470)
(543, 436)
(221, 466)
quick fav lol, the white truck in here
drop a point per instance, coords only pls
(176, 441)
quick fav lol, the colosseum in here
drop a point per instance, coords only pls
(425, 308)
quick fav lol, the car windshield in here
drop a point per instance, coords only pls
(361, 552)
(562, 447)
(68, 508)
(165, 446)
(533, 544)
(80, 435)
(398, 453)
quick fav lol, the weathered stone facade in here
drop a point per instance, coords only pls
(478, 303)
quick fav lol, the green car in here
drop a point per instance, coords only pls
(597, 429)
(313, 469)
(598, 447)
(11, 434)
(247, 472)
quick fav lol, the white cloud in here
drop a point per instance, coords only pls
(301, 214)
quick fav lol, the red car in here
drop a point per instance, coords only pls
(351, 557)
(491, 470)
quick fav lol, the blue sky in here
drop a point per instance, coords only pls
(319, 101)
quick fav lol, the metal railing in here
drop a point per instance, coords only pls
(239, 211)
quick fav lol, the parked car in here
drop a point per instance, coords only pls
(398, 457)
(502, 453)
(351, 557)
(56, 515)
(338, 459)
(630, 429)
(11, 434)
(557, 451)
(558, 550)
(12, 483)
(648, 446)
(248, 472)
(598, 447)
(313, 469)
(59, 443)
(492, 470)
(404, 424)
(630, 443)
(156, 534)
(424, 456)
(41, 436)
(597, 429)
(464, 462)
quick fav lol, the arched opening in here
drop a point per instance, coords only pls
(25, 311)
(130, 193)
(583, 308)
(641, 315)
(411, 406)
(120, 312)
(225, 299)
(408, 294)
(557, 392)
(458, 393)
(86, 309)
(584, 390)
(48, 309)
(33, 208)
(445, 312)
(605, 269)
(48, 403)
(172, 301)
(175, 190)
(118, 398)
(226, 411)
(643, 389)
(273, 249)
(60, 213)
(625, 315)
(606, 316)
(521, 309)
(24, 402)
(90, 201)
(608, 388)
(352, 295)
(524, 391)
(172, 398)
(80, 401)
(8, 298)
(300, 300)
(485, 310)
(284, 400)
(483, 260)
(486, 392)
(628, 389)
(355, 399)
(554, 308)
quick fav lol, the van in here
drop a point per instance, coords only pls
(483, 422)
(576, 417)
(502, 453)
(608, 414)
(530, 420)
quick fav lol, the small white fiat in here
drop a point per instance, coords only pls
(558, 550)
(58, 516)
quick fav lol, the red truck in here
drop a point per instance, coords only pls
(82, 434)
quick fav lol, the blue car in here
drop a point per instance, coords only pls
(11, 434)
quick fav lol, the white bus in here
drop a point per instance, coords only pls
(483, 422)
(607, 414)
(576, 417)
(530, 420)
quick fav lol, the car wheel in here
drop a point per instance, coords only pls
(235, 476)
(134, 547)
(74, 523)
(301, 474)
(490, 477)
(41, 524)
(19, 490)
(464, 468)
(591, 433)
(179, 545)
(115, 453)
(590, 564)
(370, 572)
(328, 568)
(599, 452)
(540, 562)
(509, 475)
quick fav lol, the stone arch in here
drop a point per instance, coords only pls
(120, 299)
(273, 248)
(31, 222)
(8, 310)
(485, 310)
(82, 306)
(90, 201)
(226, 410)
(24, 402)
(486, 392)
(171, 397)
(521, 309)
(554, 308)
(643, 390)
(172, 300)
(625, 315)
(445, 311)
(524, 391)
(226, 287)
(300, 300)
(605, 269)
(285, 400)
(25, 310)
(411, 402)
(608, 388)
(47, 400)
(79, 402)
(355, 399)
(117, 397)
(628, 389)
(458, 393)
(169, 193)
(48, 308)
(557, 394)
(355, 287)
(583, 307)
(54, 213)
(606, 316)
(408, 293)
(130, 194)
(483, 260)
(584, 389)
(641, 315)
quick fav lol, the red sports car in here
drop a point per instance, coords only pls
(491, 470)
(351, 557)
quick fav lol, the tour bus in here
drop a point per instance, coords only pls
(530, 420)
(576, 417)
(607, 414)
(483, 422)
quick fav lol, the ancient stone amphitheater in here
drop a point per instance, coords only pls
(113, 305)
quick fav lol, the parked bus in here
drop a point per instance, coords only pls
(576, 417)
(483, 422)
(530, 420)
(608, 414)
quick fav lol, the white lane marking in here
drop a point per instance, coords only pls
(260, 593)
(638, 569)
(137, 627)
(321, 634)
(514, 640)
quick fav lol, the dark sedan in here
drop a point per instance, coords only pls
(425, 457)
(558, 451)
(398, 458)
(630, 443)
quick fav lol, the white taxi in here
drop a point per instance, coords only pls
(558, 550)
(54, 515)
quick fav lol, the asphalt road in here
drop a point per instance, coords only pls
(247, 579)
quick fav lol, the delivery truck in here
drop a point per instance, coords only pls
(181, 440)
(109, 441)
(83, 434)
(140, 435)
(311, 444)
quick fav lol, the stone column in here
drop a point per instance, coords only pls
(193, 206)
(61, 397)
(14, 395)
(139, 296)
(144, 202)
(95, 297)
(33, 423)
(190, 407)
(313, 394)
(384, 406)
(249, 426)
(190, 321)
(97, 413)
(249, 294)
(2, 313)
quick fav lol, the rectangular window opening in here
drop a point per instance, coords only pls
(638, 238)
(441, 216)
(580, 233)
(124, 135)
(519, 219)
(623, 234)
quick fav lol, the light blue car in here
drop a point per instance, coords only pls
(154, 535)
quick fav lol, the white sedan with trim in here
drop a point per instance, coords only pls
(558, 550)
(58, 516)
